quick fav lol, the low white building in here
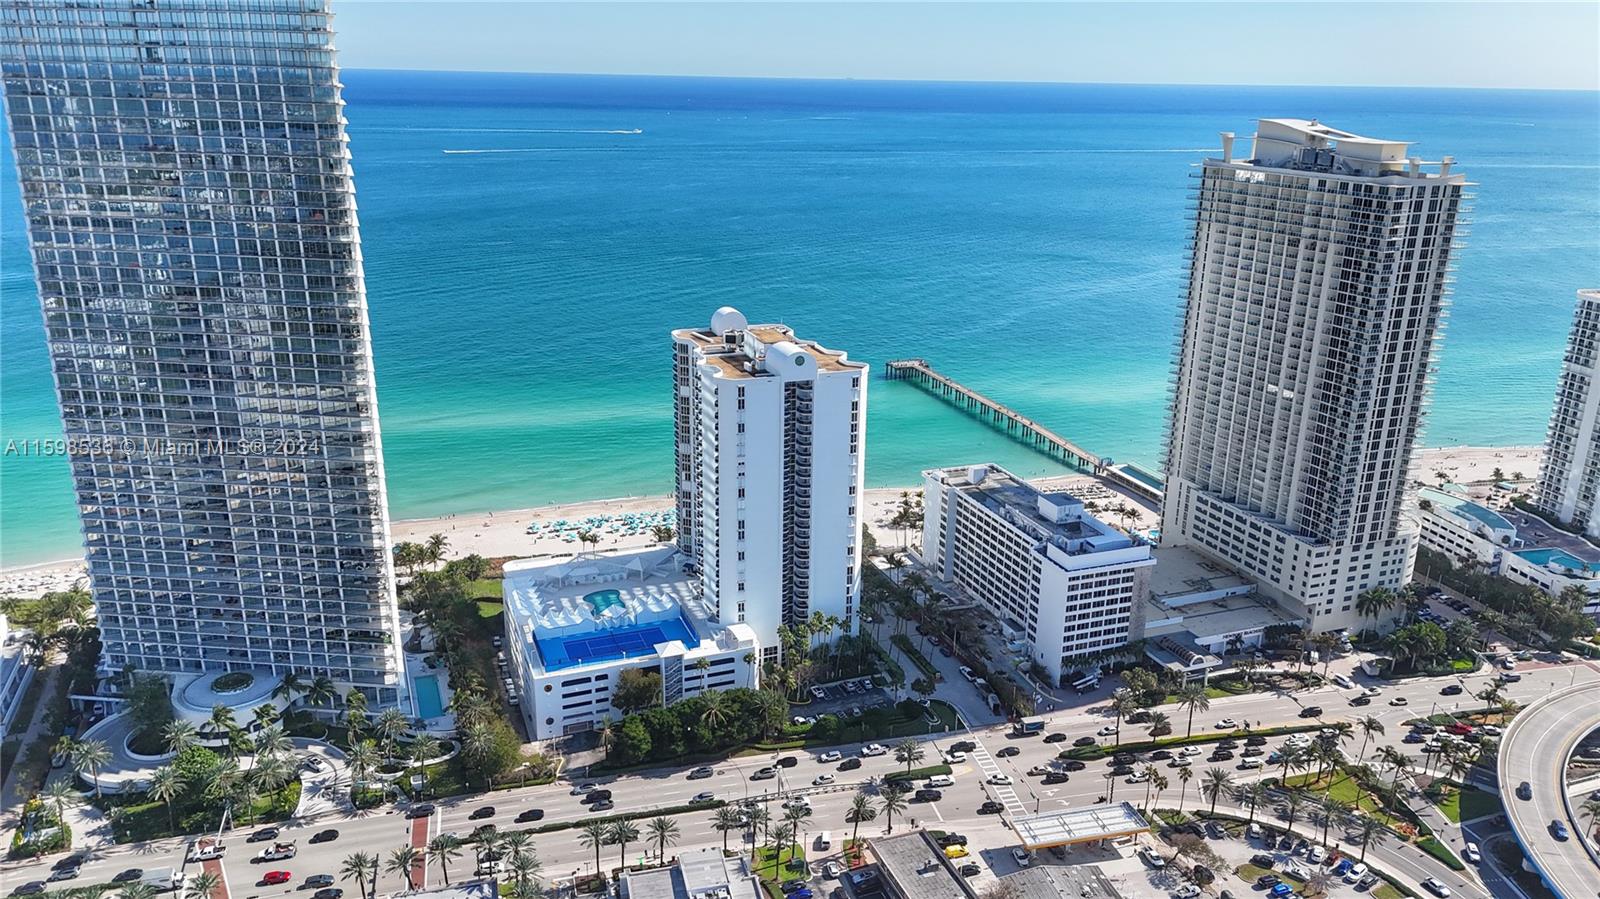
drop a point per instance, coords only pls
(574, 626)
(1070, 583)
(16, 673)
(1200, 612)
(696, 874)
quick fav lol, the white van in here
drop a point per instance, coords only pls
(1343, 681)
(940, 781)
(825, 841)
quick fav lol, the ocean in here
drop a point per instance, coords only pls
(531, 239)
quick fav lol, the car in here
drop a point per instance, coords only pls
(927, 794)
(1085, 741)
(263, 835)
(275, 877)
(1120, 770)
(1471, 854)
(1558, 829)
(1397, 700)
(951, 839)
(1160, 755)
(963, 746)
(1451, 690)
(864, 876)
(31, 888)
(424, 810)
(790, 886)
(1180, 762)
(64, 872)
(850, 764)
(955, 851)
(1215, 831)
(328, 893)
(602, 805)
(1227, 744)
(325, 836)
(1190, 750)
(1221, 755)
(481, 812)
(532, 814)
(1021, 857)
(787, 761)
(1152, 858)
(1311, 711)
(1138, 777)
(1055, 777)
(1281, 889)
(1227, 724)
(582, 788)
(705, 771)
(1263, 860)
(822, 780)
(1316, 855)
(970, 870)
(1074, 764)
(1355, 872)
(1459, 729)
(1108, 730)
(1363, 699)
(990, 807)
(1267, 880)
(597, 795)
(704, 796)
(999, 780)
(1413, 737)
(1248, 764)
(818, 693)
(764, 773)
(1255, 740)
(319, 880)
(1055, 738)
(1187, 891)
(830, 756)
(1006, 752)
(954, 758)
(1524, 791)
(872, 749)
(276, 852)
(1436, 887)
(128, 874)
(832, 869)
(1250, 751)
(794, 802)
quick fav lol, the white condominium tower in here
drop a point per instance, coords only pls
(1570, 476)
(771, 434)
(1317, 285)
(190, 206)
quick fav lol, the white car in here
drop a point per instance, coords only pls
(830, 756)
(1316, 855)
(872, 749)
(1187, 891)
(1373, 691)
(832, 869)
(1021, 857)
(206, 849)
(276, 852)
(1190, 750)
(1249, 763)
(1227, 724)
(1138, 777)
(954, 758)
(1398, 700)
(821, 779)
(1152, 858)
(1436, 886)
(1472, 854)
(797, 802)
(818, 692)
(1000, 780)
(1106, 731)
(1355, 874)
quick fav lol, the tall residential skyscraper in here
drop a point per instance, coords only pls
(1317, 285)
(192, 216)
(771, 433)
(1570, 475)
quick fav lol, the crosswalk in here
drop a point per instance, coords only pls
(1005, 794)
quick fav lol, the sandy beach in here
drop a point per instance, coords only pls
(505, 533)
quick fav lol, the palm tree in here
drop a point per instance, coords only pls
(1251, 794)
(202, 884)
(664, 831)
(1295, 796)
(1123, 703)
(716, 707)
(1185, 774)
(892, 799)
(290, 687)
(390, 724)
(322, 691)
(1332, 811)
(517, 842)
(622, 832)
(1369, 725)
(1292, 756)
(138, 891)
(726, 819)
(423, 748)
(593, 834)
(435, 547)
(783, 838)
(362, 867)
(1371, 831)
(908, 751)
(1193, 697)
(860, 810)
(179, 735)
(796, 818)
(445, 848)
(404, 861)
(1399, 762)
(90, 756)
(1217, 782)
(166, 785)
(363, 757)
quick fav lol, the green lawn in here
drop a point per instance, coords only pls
(1346, 790)
(135, 822)
(1468, 804)
(486, 588)
(769, 868)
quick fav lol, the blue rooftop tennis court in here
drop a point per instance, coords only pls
(612, 643)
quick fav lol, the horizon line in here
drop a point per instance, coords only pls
(974, 81)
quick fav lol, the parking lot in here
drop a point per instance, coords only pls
(845, 699)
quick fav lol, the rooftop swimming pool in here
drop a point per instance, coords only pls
(1560, 557)
(612, 643)
(429, 703)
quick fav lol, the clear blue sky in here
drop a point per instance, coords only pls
(1541, 45)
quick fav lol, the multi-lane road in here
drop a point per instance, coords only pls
(1535, 751)
(641, 793)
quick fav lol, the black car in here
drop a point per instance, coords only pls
(787, 761)
(1263, 860)
(1160, 755)
(262, 835)
(1222, 755)
(1256, 740)
(1056, 777)
(1363, 699)
(1311, 711)
(990, 807)
(1073, 765)
(1227, 744)
(71, 861)
(416, 811)
(927, 794)
(602, 805)
(952, 839)
(1215, 831)
(532, 814)
(1451, 690)
(970, 869)
(31, 888)
(1006, 752)
(850, 764)
(1124, 758)
(1524, 791)
(790, 886)
(1084, 741)
(1055, 738)
(963, 746)
(1267, 880)
(1286, 844)
(129, 874)
(325, 836)
(328, 893)
(1121, 770)
(482, 811)
(597, 796)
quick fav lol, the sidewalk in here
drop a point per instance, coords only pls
(13, 794)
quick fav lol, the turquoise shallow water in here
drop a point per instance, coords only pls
(1026, 239)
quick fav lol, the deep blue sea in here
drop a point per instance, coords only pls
(530, 240)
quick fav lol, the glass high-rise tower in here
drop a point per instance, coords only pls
(189, 201)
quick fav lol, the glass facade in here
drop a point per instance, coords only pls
(189, 200)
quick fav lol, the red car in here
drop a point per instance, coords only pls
(273, 877)
(1459, 729)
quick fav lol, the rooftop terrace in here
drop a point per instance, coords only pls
(1056, 517)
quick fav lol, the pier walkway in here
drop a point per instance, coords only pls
(1021, 428)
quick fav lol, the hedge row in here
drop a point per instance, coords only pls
(1211, 737)
(928, 669)
(918, 773)
(627, 816)
(1440, 851)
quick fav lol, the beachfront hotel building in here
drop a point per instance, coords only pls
(191, 212)
(1039, 562)
(771, 450)
(574, 626)
(1317, 285)
(1570, 477)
